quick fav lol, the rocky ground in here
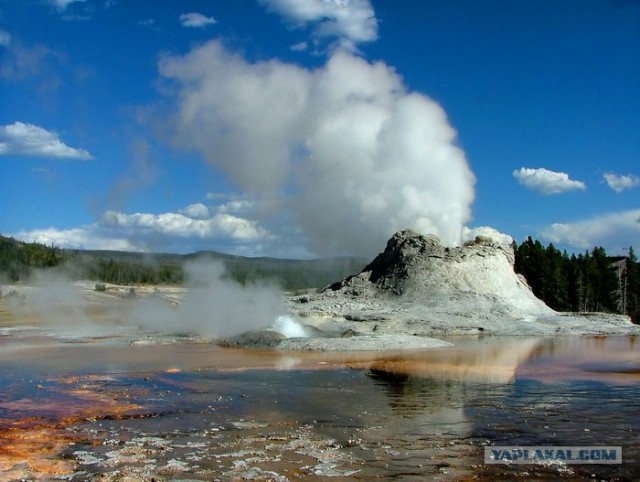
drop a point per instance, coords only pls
(418, 289)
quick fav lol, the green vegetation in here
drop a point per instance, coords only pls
(590, 281)
(129, 272)
(18, 260)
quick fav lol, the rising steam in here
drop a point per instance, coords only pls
(344, 150)
(289, 327)
(212, 306)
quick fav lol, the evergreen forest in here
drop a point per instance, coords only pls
(584, 282)
(18, 260)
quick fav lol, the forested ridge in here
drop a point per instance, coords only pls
(589, 281)
(19, 259)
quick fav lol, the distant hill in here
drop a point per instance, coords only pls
(19, 259)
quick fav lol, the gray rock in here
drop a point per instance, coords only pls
(255, 339)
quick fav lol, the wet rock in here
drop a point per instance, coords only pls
(255, 339)
(364, 317)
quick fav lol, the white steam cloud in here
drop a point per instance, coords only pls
(345, 151)
(289, 327)
(469, 234)
(213, 306)
(5, 38)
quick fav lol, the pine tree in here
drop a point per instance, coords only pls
(632, 292)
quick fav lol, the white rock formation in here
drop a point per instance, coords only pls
(417, 286)
(478, 276)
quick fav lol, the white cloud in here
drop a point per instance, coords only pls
(547, 182)
(217, 196)
(236, 206)
(196, 211)
(196, 20)
(614, 231)
(344, 150)
(190, 229)
(221, 225)
(351, 21)
(621, 182)
(5, 38)
(85, 237)
(22, 139)
(232, 204)
(62, 5)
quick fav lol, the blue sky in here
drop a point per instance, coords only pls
(300, 128)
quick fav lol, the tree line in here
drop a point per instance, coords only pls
(19, 259)
(589, 281)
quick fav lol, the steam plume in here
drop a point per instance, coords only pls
(212, 306)
(344, 150)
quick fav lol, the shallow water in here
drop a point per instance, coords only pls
(170, 408)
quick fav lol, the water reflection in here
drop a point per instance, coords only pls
(483, 359)
(553, 392)
(612, 359)
(180, 407)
